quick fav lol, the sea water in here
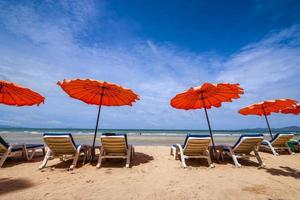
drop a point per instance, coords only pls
(136, 136)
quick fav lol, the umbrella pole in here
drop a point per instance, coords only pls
(209, 127)
(212, 138)
(268, 126)
(270, 131)
(96, 129)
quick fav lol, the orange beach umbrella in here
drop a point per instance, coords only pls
(293, 110)
(206, 96)
(267, 107)
(99, 93)
(13, 94)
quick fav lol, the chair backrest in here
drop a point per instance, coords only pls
(3, 145)
(114, 144)
(60, 143)
(281, 139)
(196, 144)
(246, 143)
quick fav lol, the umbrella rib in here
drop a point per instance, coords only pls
(11, 96)
(191, 104)
(222, 94)
(210, 104)
(20, 94)
(33, 95)
(115, 98)
(115, 95)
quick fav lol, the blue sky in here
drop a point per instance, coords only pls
(157, 48)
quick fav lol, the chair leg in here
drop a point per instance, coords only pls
(182, 157)
(25, 152)
(128, 156)
(171, 151)
(289, 150)
(258, 158)
(210, 163)
(132, 153)
(272, 148)
(236, 163)
(174, 152)
(32, 154)
(43, 149)
(75, 160)
(85, 152)
(4, 157)
(100, 157)
(177, 154)
(222, 156)
(183, 161)
(234, 158)
(47, 156)
(89, 153)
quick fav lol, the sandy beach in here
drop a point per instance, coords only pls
(153, 175)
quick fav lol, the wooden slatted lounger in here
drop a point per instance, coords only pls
(115, 146)
(277, 144)
(195, 146)
(7, 150)
(243, 148)
(62, 145)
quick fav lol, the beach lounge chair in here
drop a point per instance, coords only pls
(115, 146)
(195, 146)
(294, 145)
(243, 147)
(7, 150)
(62, 145)
(277, 144)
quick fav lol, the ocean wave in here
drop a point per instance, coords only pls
(82, 133)
(133, 133)
(5, 132)
(33, 132)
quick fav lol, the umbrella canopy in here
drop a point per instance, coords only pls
(91, 91)
(267, 107)
(206, 96)
(15, 95)
(99, 93)
(293, 110)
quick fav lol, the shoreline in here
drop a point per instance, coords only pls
(139, 140)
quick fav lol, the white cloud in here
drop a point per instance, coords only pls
(38, 50)
(267, 66)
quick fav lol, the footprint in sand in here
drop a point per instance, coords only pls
(257, 189)
(89, 181)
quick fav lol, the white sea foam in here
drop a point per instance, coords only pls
(4, 132)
